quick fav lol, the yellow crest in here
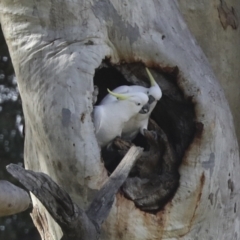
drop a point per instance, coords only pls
(152, 80)
(118, 95)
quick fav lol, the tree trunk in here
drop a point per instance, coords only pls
(219, 40)
(55, 48)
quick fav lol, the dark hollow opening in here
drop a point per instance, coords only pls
(155, 178)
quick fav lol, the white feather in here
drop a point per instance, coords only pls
(110, 118)
(138, 122)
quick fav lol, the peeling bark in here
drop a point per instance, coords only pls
(227, 15)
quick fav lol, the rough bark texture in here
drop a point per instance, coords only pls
(12, 199)
(56, 47)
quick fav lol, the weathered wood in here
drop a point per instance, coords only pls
(156, 176)
(102, 203)
(12, 199)
(74, 222)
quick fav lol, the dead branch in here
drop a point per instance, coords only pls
(101, 205)
(74, 222)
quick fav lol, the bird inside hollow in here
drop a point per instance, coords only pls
(137, 123)
(111, 117)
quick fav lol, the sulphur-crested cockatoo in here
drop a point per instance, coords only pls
(139, 122)
(109, 119)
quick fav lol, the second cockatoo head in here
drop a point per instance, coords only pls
(154, 92)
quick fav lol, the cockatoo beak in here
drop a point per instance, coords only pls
(151, 99)
(151, 78)
(145, 109)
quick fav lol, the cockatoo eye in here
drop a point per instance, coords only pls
(138, 104)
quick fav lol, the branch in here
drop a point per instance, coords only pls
(102, 203)
(75, 223)
(12, 199)
(72, 220)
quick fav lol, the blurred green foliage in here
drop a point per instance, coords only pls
(20, 226)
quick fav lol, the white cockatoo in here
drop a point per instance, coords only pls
(138, 122)
(110, 118)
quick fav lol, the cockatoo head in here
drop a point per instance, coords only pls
(138, 101)
(154, 92)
